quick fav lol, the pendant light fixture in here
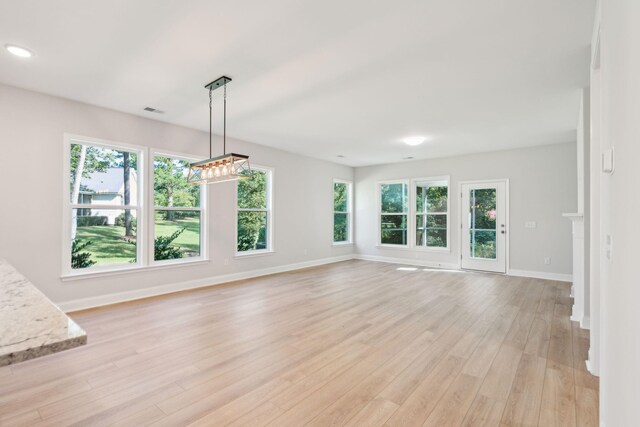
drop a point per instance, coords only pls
(227, 167)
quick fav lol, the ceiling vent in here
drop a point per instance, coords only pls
(153, 110)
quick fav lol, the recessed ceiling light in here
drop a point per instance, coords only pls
(414, 140)
(19, 51)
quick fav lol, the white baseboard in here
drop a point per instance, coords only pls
(451, 266)
(541, 275)
(574, 318)
(591, 366)
(98, 301)
(406, 261)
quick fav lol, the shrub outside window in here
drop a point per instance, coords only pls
(177, 214)
(103, 206)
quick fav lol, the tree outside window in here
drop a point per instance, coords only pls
(254, 211)
(394, 205)
(431, 214)
(103, 205)
(177, 212)
(341, 212)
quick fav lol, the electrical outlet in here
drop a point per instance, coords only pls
(226, 261)
(304, 251)
(547, 261)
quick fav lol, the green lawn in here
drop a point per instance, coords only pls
(108, 245)
(189, 240)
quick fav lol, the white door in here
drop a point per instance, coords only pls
(484, 226)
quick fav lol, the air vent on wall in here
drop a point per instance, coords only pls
(153, 110)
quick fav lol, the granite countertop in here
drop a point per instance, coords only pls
(31, 325)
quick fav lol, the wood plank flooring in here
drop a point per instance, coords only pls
(354, 343)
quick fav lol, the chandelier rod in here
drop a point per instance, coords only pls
(210, 119)
(224, 130)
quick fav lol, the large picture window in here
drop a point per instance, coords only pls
(342, 205)
(431, 214)
(103, 206)
(254, 214)
(177, 216)
(394, 207)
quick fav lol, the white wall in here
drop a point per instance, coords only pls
(31, 149)
(542, 187)
(620, 192)
(596, 176)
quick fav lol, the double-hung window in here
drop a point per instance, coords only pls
(432, 212)
(117, 219)
(393, 213)
(254, 212)
(103, 187)
(178, 213)
(342, 206)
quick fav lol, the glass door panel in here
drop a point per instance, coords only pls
(482, 223)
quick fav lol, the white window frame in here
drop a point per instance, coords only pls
(67, 206)
(437, 181)
(407, 213)
(349, 211)
(152, 210)
(270, 214)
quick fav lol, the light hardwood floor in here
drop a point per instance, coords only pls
(354, 343)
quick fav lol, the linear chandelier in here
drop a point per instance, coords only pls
(227, 167)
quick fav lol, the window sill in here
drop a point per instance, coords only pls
(401, 247)
(429, 249)
(249, 254)
(69, 277)
(342, 244)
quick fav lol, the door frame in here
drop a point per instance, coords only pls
(507, 223)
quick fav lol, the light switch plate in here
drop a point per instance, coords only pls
(530, 224)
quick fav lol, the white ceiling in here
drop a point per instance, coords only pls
(321, 78)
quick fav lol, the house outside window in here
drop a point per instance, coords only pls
(84, 198)
(104, 206)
